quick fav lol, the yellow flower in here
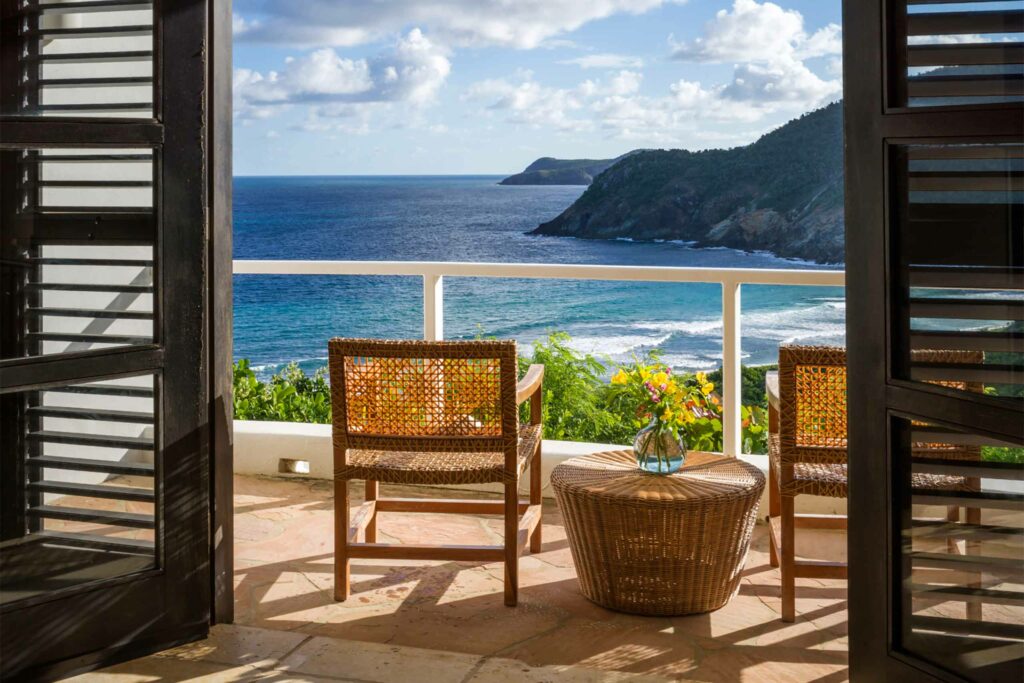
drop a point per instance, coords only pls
(645, 374)
(707, 388)
(702, 378)
(672, 388)
(667, 415)
(620, 377)
(659, 379)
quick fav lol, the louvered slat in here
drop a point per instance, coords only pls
(60, 462)
(91, 183)
(967, 54)
(101, 414)
(76, 287)
(972, 85)
(115, 81)
(947, 625)
(98, 542)
(968, 341)
(992, 373)
(921, 591)
(71, 337)
(94, 491)
(128, 519)
(96, 106)
(70, 261)
(960, 23)
(953, 181)
(967, 277)
(90, 313)
(101, 389)
(941, 435)
(91, 32)
(140, 443)
(968, 468)
(978, 309)
(975, 499)
(87, 6)
(1002, 566)
(962, 531)
(93, 57)
(87, 158)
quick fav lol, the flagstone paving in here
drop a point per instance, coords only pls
(445, 621)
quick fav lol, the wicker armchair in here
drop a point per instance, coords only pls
(433, 413)
(807, 454)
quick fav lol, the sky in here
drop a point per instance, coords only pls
(394, 87)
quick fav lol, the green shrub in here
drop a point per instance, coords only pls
(1002, 454)
(289, 396)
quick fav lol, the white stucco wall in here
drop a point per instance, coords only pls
(259, 447)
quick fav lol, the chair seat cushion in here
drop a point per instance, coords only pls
(829, 479)
(439, 468)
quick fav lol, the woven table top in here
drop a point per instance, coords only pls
(614, 476)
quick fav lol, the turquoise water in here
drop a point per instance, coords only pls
(279, 319)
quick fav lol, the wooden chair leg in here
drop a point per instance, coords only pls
(953, 516)
(974, 609)
(372, 489)
(511, 544)
(788, 559)
(341, 522)
(774, 510)
(535, 499)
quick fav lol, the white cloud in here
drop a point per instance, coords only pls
(780, 82)
(529, 103)
(625, 83)
(239, 25)
(754, 32)
(614, 105)
(412, 71)
(770, 45)
(508, 23)
(606, 60)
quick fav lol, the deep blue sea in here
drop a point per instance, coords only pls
(279, 319)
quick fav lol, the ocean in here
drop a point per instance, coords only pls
(281, 319)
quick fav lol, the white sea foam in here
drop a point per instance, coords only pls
(691, 362)
(616, 346)
(825, 321)
(687, 327)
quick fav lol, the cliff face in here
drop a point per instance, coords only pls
(783, 193)
(550, 171)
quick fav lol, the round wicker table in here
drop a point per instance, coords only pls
(658, 544)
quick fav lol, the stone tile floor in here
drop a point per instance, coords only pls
(440, 621)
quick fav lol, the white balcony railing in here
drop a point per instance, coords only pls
(433, 273)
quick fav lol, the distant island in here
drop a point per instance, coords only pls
(782, 194)
(550, 171)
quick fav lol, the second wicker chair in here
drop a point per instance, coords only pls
(433, 413)
(807, 455)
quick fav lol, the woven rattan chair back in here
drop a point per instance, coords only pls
(812, 403)
(447, 396)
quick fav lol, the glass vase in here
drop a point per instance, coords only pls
(657, 451)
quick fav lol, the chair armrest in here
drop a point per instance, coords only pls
(530, 383)
(771, 388)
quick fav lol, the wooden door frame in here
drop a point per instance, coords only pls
(874, 398)
(219, 125)
(192, 130)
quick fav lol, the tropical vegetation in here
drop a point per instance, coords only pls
(581, 402)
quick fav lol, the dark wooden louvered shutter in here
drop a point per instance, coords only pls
(935, 291)
(105, 361)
